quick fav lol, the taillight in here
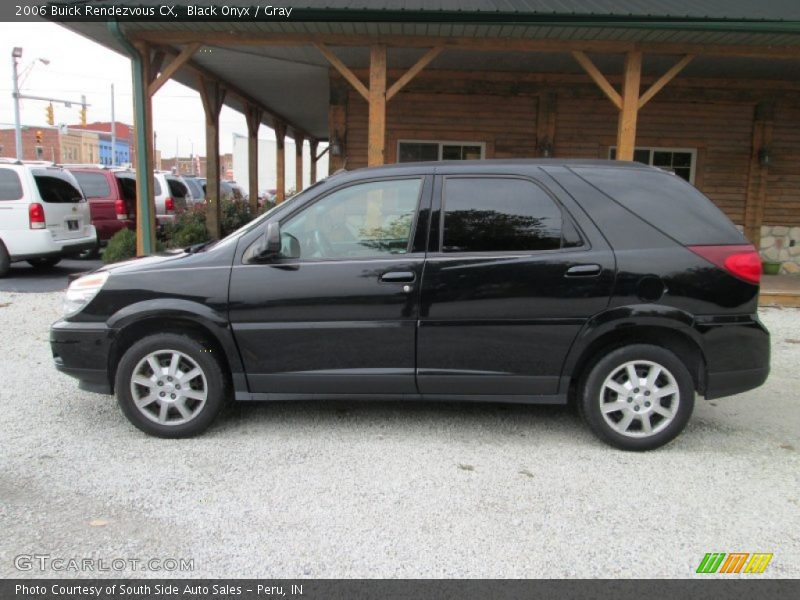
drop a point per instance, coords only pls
(121, 209)
(169, 205)
(741, 261)
(36, 216)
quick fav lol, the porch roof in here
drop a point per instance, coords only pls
(275, 63)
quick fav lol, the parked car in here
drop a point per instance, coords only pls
(615, 285)
(43, 215)
(196, 187)
(171, 196)
(111, 194)
(227, 191)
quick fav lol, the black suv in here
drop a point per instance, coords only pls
(614, 284)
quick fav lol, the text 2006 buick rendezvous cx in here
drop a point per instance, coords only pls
(615, 284)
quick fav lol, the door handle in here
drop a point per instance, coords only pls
(398, 277)
(583, 271)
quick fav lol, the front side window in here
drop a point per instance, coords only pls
(496, 214)
(10, 185)
(364, 220)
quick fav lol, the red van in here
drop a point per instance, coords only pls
(111, 193)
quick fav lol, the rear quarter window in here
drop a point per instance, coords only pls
(10, 185)
(94, 185)
(177, 189)
(666, 202)
(57, 187)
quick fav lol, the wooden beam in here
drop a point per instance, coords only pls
(413, 71)
(156, 60)
(312, 146)
(173, 66)
(213, 96)
(280, 162)
(298, 163)
(664, 80)
(337, 122)
(598, 78)
(344, 70)
(376, 137)
(626, 129)
(221, 37)
(757, 173)
(253, 115)
(546, 123)
(145, 198)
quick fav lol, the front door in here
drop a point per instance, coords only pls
(510, 279)
(340, 318)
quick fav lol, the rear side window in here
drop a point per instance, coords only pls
(56, 187)
(177, 189)
(496, 214)
(94, 185)
(10, 185)
(666, 202)
(127, 186)
(156, 187)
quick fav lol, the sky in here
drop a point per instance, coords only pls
(80, 66)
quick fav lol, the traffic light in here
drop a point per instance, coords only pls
(51, 120)
(83, 115)
(39, 136)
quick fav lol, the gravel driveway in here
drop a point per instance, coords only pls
(389, 490)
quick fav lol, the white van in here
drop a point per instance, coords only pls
(43, 214)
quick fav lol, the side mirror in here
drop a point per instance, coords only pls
(270, 246)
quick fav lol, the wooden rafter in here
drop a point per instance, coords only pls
(629, 112)
(172, 68)
(598, 78)
(413, 71)
(344, 70)
(664, 79)
(467, 43)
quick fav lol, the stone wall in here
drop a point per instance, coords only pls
(780, 243)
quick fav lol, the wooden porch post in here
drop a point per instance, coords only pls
(280, 162)
(213, 96)
(254, 116)
(377, 105)
(298, 162)
(757, 173)
(337, 125)
(312, 146)
(626, 127)
(145, 200)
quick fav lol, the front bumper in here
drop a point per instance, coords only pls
(81, 350)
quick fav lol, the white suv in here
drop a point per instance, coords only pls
(43, 214)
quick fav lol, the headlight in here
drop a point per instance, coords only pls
(81, 291)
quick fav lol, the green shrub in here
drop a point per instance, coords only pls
(121, 246)
(189, 228)
(234, 216)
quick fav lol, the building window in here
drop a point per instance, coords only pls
(680, 161)
(418, 150)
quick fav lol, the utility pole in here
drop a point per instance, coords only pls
(16, 54)
(113, 131)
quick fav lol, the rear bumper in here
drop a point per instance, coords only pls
(40, 244)
(106, 228)
(737, 353)
(81, 350)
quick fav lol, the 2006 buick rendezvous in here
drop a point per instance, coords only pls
(514, 281)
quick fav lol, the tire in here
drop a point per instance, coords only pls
(186, 414)
(619, 410)
(5, 260)
(43, 263)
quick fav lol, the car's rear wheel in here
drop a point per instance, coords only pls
(637, 397)
(44, 263)
(170, 385)
(5, 260)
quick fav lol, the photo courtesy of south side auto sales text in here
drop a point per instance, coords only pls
(171, 590)
(163, 11)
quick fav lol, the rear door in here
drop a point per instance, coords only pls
(509, 280)
(66, 211)
(99, 193)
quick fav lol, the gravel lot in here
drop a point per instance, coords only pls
(390, 490)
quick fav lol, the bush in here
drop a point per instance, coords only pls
(121, 246)
(189, 228)
(234, 216)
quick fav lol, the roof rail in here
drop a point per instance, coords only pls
(9, 160)
(84, 165)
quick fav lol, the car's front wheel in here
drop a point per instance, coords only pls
(637, 397)
(170, 385)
